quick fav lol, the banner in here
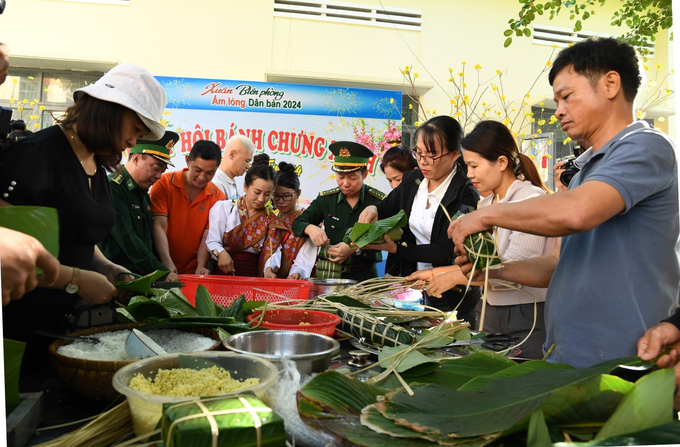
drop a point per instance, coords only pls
(289, 122)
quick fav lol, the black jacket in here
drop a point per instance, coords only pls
(458, 197)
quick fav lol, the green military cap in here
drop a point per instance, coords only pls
(159, 149)
(349, 156)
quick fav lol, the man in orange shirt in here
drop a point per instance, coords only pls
(181, 203)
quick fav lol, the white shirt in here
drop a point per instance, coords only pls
(224, 217)
(515, 245)
(228, 185)
(422, 217)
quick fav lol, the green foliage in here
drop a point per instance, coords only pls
(40, 222)
(644, 17)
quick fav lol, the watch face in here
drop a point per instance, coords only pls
(71, 288)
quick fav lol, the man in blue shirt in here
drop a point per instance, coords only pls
(617, 273)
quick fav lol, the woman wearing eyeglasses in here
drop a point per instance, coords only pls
(245, 236)
(298, 254)
(441, 182)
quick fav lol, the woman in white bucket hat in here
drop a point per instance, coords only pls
(64, 167)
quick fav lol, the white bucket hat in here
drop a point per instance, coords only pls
(135, 88)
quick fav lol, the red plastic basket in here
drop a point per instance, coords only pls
(298, 320)
(225, 289)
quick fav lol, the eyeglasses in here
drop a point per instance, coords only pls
(425, 158)
(285, 197)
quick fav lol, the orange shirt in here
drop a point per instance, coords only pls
(186, 220)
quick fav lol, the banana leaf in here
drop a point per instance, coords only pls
(538, 434)
(648, 404)
(659, 435)
(496, 407)
(143, 309)
(176, 303)
(363, 234)
(38, 221)
(330, 394)
(414, 364)
(143, 284)
(514, 371)
(235, 310)
(13, 352)
(455, 373)
(205, 306)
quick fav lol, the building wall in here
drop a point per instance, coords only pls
(234, 39)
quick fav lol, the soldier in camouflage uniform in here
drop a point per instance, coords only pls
(338, 209)
(130, 242)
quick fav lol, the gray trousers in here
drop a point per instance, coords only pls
(516, 320)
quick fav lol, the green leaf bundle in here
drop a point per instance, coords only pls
(362, 234)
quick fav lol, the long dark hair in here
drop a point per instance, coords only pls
(260, 169)
(99, 125)
(287, 177)
(443, 130)
(399, 158)
(492, 139)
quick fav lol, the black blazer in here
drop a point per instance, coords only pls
(459, 196)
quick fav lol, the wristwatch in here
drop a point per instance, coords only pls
(73, 286)
(358, 252)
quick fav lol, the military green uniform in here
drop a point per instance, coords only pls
(130, 242)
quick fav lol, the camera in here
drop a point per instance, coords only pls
(570, 170)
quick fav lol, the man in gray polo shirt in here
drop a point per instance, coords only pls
(618, 272)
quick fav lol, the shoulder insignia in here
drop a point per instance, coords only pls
(376, 193)
(329, 192)
(117, 179)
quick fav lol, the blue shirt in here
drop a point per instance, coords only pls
(614, 282)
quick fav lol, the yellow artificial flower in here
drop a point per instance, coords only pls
(566, 140)
(483, 113)
(391, 100)
(506, 121)
(658, 66)
(498, 72)
(47, 90)
(527, 95)
(483, 104)
(548, 64)
(494, 88)
(533, 120)
(450, 70)
(463, 62)
(549, 142)
(37, 126)
(417, 123)
(641, 114)
(646, 67)
(14, 80)
(498, 112)
(460, 73)
(458, 114)
(515, 134)
(450, 79)
(502, 97)
(453, 101)
(478, 67)
(410, 106)
(42, 107)
(20, 108)
(407, 68)
(541, 103)
(538, 131)
(464, 85)
(31, 78)
(415, 75)
(404, 72)
(11, 101)
(541, 122)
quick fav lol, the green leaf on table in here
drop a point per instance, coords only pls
(496, 407)
(143, 309)
(175, 301)
(517, 370)
(235, 310)
(142, 284)
(204, 302)
(250, 305)
(648, 404)
(538, 434)
(412, 364)
(329, 394)
(38, 221)
(658, 435)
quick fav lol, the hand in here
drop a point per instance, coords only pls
(443, 281)
(389, 245)
(112, 270)
(557, 172)
(317, 235)
(340, 252)
(368, 215)
(656, 340)
(4, 63)
(225, 263)
(464, 226)
(269, 273)
(172, 276)
(421, 277)
(202, 271)
(20, 254)
(295, 276)
(95, 288)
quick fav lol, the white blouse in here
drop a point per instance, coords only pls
(422, 216)
(224, 217)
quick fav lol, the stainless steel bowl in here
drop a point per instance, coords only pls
(322, 286)
(311, 352)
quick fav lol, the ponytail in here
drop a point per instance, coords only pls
(525, 167)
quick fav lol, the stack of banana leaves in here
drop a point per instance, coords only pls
(169, 308)
(362, 234)
(486, 399)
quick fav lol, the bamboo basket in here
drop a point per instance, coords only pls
(93, 378)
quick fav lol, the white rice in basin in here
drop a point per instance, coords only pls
(111, 346)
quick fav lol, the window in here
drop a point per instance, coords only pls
(409, 111)
(37, 97)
